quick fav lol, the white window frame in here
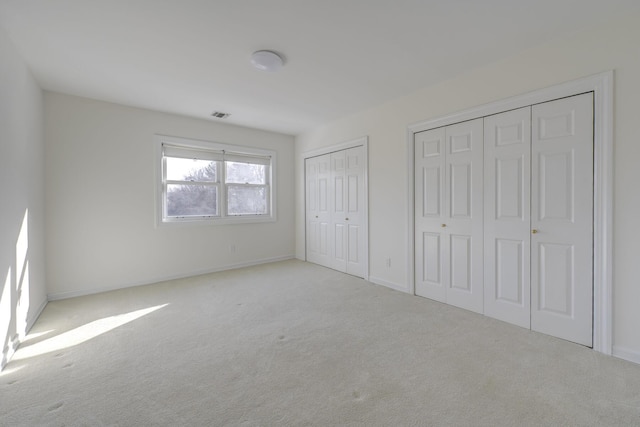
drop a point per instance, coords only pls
(233, 152)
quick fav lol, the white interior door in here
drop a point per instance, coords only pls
(355, 160)
(562, 218)
(448, 217)
(534, 238)
(339, 232)
(336, 211)
(463, 214)
(430, 238)
(317, 171)
(507, 226)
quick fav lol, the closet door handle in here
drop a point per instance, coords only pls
(346, 219)
(443, 225)
(534, 231)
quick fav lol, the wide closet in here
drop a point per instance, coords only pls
(504, 216)
(335, 210)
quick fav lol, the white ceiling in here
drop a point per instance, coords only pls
(191, 57)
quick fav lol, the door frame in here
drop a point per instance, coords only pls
(358, 142)
(602, 87)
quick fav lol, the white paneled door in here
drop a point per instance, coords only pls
(339, 179)
(562, 218)
(318, 175)
(448, 216)
(507, 226)
(430, 214)
(533, 243)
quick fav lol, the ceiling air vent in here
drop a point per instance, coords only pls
(219, 115)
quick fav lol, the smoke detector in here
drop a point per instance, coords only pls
(267, 60)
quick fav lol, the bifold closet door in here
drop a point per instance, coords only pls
(507, 231)
(335, 211)
(562, 218)
(347, 211)
(430, 236)
(318, 174)
(448, 216)
(538, 244)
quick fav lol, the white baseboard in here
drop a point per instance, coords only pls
(395, 286)
(33, 317)
(15, 341)
(626, 354)
(79, 293)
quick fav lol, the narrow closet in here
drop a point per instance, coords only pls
(335, 211)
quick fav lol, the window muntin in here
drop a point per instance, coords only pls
(223, 186)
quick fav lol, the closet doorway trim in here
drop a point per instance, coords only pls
(602, 87)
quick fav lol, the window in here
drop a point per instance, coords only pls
(215, 183)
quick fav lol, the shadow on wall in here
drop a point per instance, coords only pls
(14, 299)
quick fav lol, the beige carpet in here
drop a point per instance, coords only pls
(294, 344)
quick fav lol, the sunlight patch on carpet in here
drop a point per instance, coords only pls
(82, 333)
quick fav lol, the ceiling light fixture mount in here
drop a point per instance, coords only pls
(267, 60)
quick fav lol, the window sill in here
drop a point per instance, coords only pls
(244, 219)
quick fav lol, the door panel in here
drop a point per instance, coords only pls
(507, 229)
(460, 190)
(509, 271)
(339, 236)
(448, 214)
(323, 195)
(464, 215)
(460, 262)
(432, 264)
(509, 173)
(323, 240)
(353, 194)
(556, 186)
(354, 246)
(555, 278)
(562, 193)
(338, 192)
(317, 186)
(355, 215)
(338, 212)
(429, 215)
(431, 194)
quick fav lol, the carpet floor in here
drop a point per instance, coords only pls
(295, 344)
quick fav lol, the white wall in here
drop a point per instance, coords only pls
(612, 47)
(22, 282)
(100, 186)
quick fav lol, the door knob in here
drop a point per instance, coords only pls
(316, 216)
(534, 231)
(346, 219)
(443, 225)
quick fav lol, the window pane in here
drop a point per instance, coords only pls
(192, 200)
(247, 200)
(245, 173)
(191, 170)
